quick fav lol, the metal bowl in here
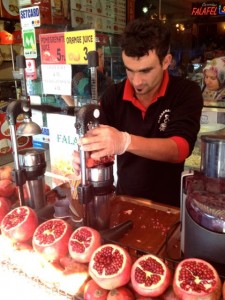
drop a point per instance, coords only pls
(32, 157)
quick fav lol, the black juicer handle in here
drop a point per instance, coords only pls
(116, 232)
(89, 115)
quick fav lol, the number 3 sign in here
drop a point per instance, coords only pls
(78, 44)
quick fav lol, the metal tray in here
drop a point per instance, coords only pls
(152, 222)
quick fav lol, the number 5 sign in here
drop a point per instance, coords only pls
(78, 44)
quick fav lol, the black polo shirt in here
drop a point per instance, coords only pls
(176, 113)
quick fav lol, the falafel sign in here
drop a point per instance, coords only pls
(78, 44)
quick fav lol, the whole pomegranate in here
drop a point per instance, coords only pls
(120, 293)
(149, 298)
(6, 172)
(19, 224)
(196, 279)
(51, 239)
(110, 266)
(150, 276)
(7, 188)
(92, 291)
(4, 207)
(83, 242)
(169, 294)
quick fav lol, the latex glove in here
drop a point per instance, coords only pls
(76, 162)
(104, 141)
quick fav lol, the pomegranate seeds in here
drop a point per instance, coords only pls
(110, 266)
(51, 239)
(195, 278)
(83, 242)
(150, 276)
(19, 224)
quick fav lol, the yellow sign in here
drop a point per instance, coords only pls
(78, 44)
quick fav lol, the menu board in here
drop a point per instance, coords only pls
(103, 15)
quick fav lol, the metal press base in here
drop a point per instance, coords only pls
(202, 243)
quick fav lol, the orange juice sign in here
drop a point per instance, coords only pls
(78, 44)
(52, 48)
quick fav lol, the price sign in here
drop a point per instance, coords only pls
(78, 44)
(56, 79)
(52, 48)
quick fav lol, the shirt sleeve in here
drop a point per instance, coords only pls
(183, 148)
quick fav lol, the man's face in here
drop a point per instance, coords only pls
(145, 73)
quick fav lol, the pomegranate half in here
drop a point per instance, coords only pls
(83, 242)
(51, 239)
(195, 278)
(19, 224)
(110, 266)
(150, 276)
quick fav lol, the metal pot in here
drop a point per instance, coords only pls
(213, 155)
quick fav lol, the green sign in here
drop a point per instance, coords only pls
(29, 43)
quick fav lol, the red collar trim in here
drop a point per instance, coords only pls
(128, 94)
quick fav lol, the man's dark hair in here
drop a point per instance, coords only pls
(142, 35)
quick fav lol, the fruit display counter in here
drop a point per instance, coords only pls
(58, 258)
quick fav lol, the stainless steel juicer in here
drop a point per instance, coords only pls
(203, 204)
(29, 164)
(96, 188)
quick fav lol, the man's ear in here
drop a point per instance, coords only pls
(166, 61)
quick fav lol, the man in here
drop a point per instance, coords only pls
(153, 118)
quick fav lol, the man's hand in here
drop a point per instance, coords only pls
(105, 141)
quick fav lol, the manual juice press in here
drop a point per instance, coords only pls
(96, 188)
(30, 163)
(203, 204)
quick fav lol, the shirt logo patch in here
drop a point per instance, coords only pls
(163, 120)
